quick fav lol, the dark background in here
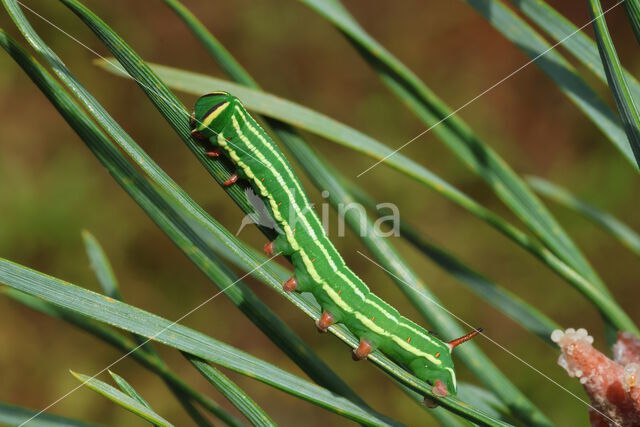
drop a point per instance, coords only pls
(52, 188)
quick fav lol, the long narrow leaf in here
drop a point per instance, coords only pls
(101, 265)
(123, 400)
(238, 398)
(551, 61)
(484, 400)
(575, 41)
(212, 45)
(127, 346)
(242, 296)
(615, 76)
(128, 389)
(447, 419)
(14, 416)
(632, 7)
(623, 233)
(107, 279)
(134, 320)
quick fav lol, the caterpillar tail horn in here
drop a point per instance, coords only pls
(454, 343)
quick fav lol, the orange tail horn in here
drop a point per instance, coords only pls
(454, 343)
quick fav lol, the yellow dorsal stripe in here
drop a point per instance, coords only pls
(206, 121)
(291, 238)
(295, 181)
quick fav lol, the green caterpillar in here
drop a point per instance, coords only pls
(221, 119)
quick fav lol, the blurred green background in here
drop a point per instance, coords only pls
(52, 188)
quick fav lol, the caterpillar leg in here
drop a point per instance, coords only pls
(331, 313)
(290, 285)
(279, 245)
(231, 180)
(197, 135)
(269, 248)
(430, 403)
(440, 390)
(325, 321)
(214, 154)
(363, 350)
(301, 279)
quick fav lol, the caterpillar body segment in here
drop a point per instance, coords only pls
(221, 119)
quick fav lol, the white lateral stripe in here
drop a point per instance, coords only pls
(453, 377)
(377, 329)
(353, 286)
(295, 181)
(305, 258)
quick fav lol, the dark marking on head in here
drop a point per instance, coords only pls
(213, 109)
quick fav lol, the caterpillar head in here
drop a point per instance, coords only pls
(211, 114)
